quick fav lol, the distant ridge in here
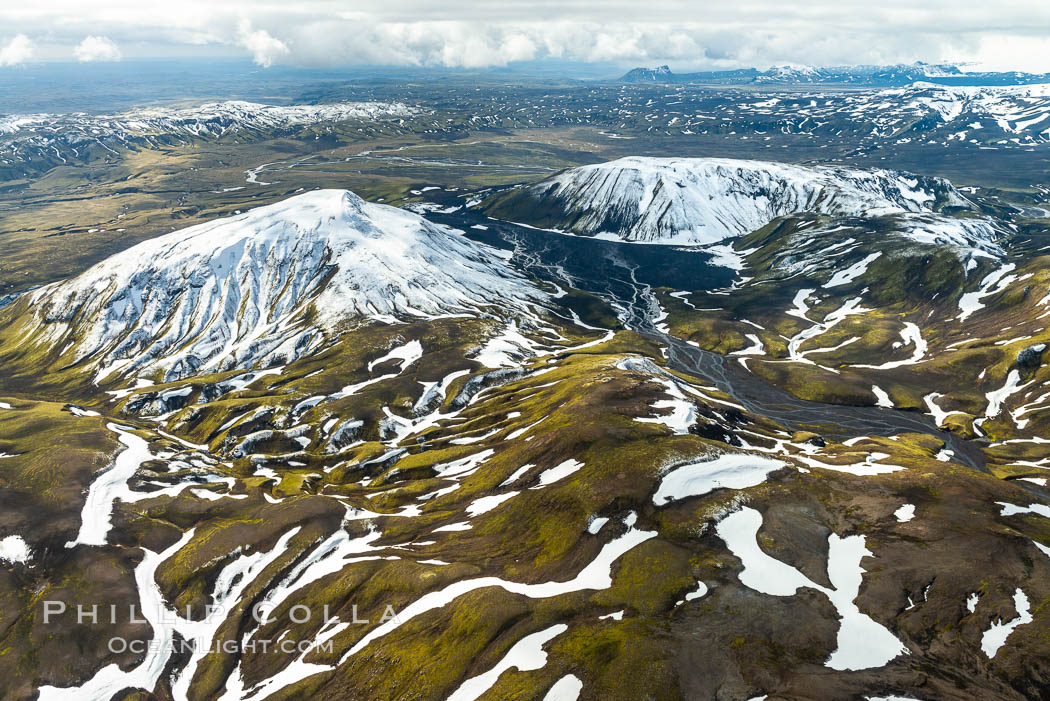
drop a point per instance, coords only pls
(870, 76)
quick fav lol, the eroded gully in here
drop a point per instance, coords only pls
(625, 274)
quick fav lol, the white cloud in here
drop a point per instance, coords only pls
(1003, 52)
(264, 46)
(517, 47)
(18, 50)
(461, 33)
(95, 48)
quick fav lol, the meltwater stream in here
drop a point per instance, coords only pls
(624, 275)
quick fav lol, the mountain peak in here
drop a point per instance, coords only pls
(643, 75)
(706, 200)
(269, 286)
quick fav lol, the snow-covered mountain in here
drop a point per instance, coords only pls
(990, 117)
(1016, 110)
(64, 138)
(268, 286)
(706, 200)
(867, 75)
(215, 118)
(660, 74)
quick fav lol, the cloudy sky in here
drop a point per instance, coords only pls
(1007, 35)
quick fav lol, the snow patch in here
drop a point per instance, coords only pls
(567, 688)
(881, 398)
(905, 513)
(862, 643)
(727, 471)
(995, 637)
(559, 472)
(14, 549)
(526, 655)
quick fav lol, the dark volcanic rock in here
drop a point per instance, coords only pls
(1030, 357)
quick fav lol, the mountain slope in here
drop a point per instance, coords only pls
(556, 490)
(267, 286)
(706, 200)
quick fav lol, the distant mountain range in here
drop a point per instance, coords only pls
(870, 76)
